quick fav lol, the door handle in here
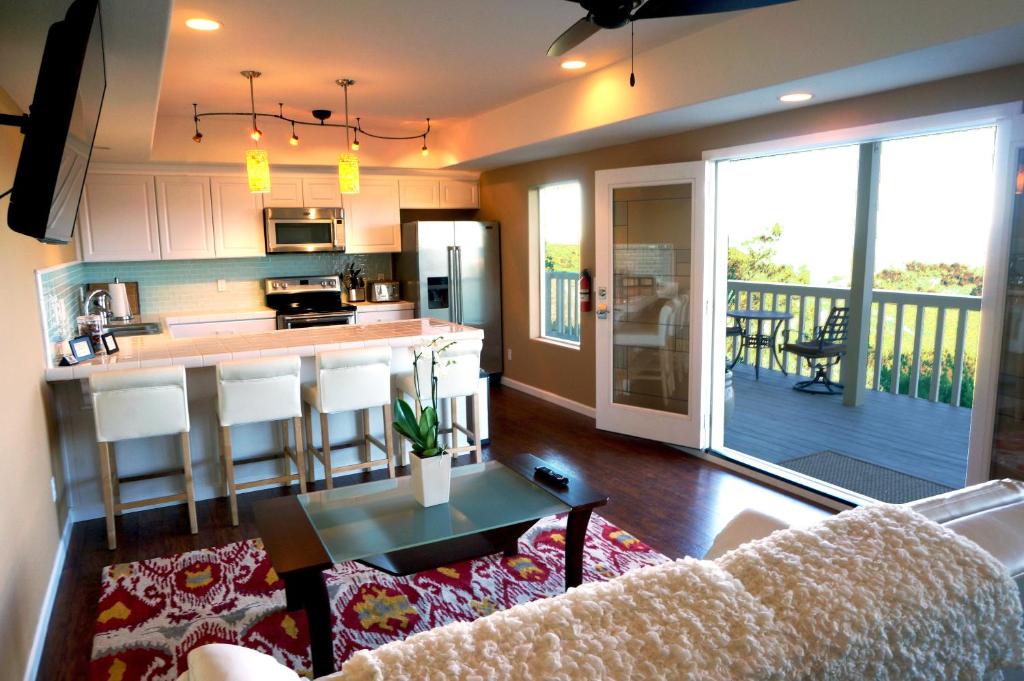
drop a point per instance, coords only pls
(452, 314)
(458, 265)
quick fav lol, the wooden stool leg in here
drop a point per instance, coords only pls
(453, 439)
(325, 451)
(190, 493)
(365, 417)
(478, 451)
(108, 493)
(300, 455)
(229, 471)
(389, 438)
(115, 480)
(307, 444)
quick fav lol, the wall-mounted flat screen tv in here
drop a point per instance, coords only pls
(61, 127)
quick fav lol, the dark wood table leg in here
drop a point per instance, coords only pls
(307, 589)
(575, 535)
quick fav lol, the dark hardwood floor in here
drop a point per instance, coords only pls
(674, 502)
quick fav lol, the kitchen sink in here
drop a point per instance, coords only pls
(136, 329)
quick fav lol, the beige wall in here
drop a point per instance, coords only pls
(29, 522)
(570, 373)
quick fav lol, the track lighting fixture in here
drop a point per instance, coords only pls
(257, 163)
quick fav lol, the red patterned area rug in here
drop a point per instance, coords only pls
(153, 612)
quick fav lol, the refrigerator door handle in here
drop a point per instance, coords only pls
(458, 265)
(452, 274)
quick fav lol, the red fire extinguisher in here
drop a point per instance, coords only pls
(584, 291)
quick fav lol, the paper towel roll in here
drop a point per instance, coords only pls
(119, 300)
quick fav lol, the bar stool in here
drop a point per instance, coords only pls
(255, 391)
(458, 376)
(350, 380)
(137, 403)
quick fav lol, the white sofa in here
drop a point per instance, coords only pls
(990, 515)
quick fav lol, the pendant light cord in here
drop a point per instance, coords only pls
(252, 104)
(632, 56)
(346, 117)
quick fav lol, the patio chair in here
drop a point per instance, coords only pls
(822, 352)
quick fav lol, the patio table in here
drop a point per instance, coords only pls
(759, 339)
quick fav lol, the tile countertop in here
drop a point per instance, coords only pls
(162, 350)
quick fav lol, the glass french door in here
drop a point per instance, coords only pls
(654, 266)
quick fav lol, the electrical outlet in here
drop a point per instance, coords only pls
(53, 489)
(508, 353)
(222, 285)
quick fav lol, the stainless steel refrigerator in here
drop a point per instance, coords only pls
(452, 271)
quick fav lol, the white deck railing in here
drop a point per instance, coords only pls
(929, 325)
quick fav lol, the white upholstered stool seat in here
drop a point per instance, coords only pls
(458, 376)
(255, 391)
(133, 404)
(355, 380)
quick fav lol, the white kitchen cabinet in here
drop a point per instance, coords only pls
(237, 219)
(460, 194)
(117, 219)
(364, 316)
(372, 221)
(221, 328)
(184, 217)
(419, 192)
(321, 191)
(285, 192)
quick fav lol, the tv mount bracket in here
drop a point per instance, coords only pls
(17, 120)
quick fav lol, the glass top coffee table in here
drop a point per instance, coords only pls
(381, 524)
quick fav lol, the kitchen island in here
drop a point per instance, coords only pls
(137, 458)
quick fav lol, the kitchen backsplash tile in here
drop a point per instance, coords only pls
(191, 285)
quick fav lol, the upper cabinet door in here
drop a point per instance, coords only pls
(372, 222)
(419, 192)
(237, 219)
(118, 218)
(460, 194)
(184, 215)
(285, 192)
(321, 192)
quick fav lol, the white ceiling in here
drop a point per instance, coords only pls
(479, 69)
(447, 59)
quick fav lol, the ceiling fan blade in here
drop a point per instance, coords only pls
(655, 9)
(573, 36)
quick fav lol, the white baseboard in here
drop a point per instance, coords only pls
(547, 396)
(43, 625)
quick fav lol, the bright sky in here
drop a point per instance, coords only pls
(561, 213)
(935, 203)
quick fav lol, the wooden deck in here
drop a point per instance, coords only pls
(913, 436)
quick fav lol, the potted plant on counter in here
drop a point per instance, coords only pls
(431, 462)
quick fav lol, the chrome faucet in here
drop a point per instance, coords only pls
(103, 304)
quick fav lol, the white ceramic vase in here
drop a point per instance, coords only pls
(432, 479)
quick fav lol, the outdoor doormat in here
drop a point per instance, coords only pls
(153, 612)
(864, 478)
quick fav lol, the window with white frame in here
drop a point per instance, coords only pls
(557, 224)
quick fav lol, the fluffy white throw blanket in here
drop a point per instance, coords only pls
(874, 593)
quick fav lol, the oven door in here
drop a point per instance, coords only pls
(291, 235)
(312, 319)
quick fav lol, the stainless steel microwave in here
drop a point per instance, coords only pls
(304, 230)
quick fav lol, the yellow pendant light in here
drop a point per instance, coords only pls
(348, 173)
(257, 167)
(348, 164)
(257, 163)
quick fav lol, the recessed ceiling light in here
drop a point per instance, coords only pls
(794, 97)
(573, 64)
(202, 24)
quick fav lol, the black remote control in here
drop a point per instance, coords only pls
(553, 477)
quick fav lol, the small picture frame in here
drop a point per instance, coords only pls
(81, 348)
(109, 343)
